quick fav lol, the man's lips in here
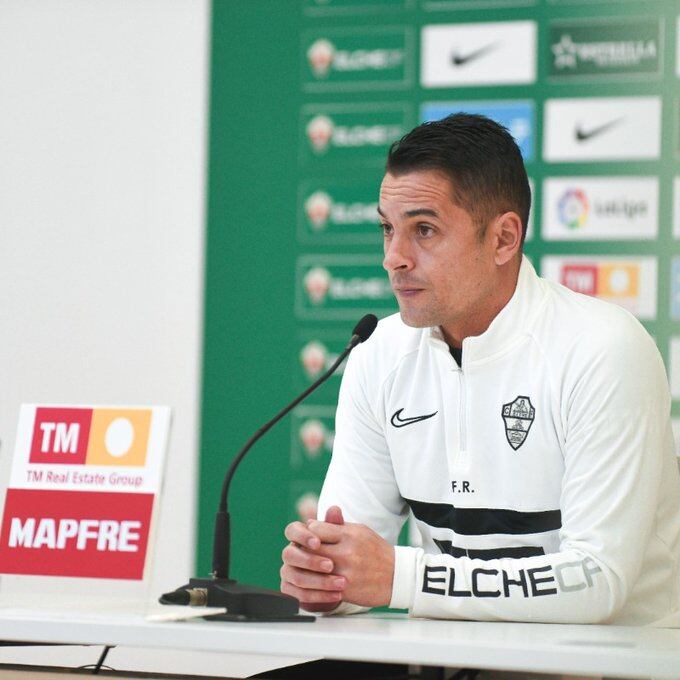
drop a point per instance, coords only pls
(407, 291)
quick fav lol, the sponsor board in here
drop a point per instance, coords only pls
(81, 491)
(675, 288)
(676, 207)
(342, 287)
(630, 282)
(353, 59)
(517, 116)
(677, 47)
(339, 211)
(348, 132)
(330, 7)
(674, 371)
(313, 432)
(607, 47)
(590, 208)
(602, 128)
(490, 53)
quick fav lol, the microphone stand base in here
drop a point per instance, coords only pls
(242, 602)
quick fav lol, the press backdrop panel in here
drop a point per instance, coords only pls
(307, 96)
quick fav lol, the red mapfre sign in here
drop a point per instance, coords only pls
(55, 533)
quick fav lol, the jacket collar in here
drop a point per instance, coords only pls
(509, 326)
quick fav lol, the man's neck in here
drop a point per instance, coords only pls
(478, 322)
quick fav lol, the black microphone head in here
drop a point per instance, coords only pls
(365, 327)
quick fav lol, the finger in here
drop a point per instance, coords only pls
(310, 580)
(334, 515)
(310, 596)
(298, 557)
(299, 533)
(328, 533)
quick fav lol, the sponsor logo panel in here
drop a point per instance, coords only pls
(676, 207)
(339, 211)
(340, 59)
(352, 132)
(602, 128)
(76, 436)
(313, 433)
(490, 53)
(315, 352)
(630, 282)
(605, 47)
(518, 117)
(342, 287)
(54, 534)
(586, 208)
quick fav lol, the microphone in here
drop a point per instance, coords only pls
(245, 602)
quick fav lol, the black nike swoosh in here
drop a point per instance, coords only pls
(403, 422)
(462, 59)
(584, 135)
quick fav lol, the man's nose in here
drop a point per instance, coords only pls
(398, 254)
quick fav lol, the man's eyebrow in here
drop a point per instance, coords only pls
(416, 212)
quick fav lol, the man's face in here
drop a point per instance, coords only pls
(440, 271)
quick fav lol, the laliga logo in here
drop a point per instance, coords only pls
(320, 131)
(320, 56)
(573, 208)
(313, 358)
(313, 436)
(318, 209)
(307, 506)
(317, 281)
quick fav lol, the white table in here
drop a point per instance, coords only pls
(549, 648)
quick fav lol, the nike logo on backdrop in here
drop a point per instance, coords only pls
(584, 135)
(403, 422)
(462, 59)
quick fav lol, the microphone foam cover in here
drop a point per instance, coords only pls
(365, 327)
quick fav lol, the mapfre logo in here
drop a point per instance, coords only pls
(75, 436)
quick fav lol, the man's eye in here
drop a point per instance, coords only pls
(425, 230)
(387, 229)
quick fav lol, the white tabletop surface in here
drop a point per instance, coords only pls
(550, 648)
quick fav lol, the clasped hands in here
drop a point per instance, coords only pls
(329, 562)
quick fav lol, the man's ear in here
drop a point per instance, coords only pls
(507, 236)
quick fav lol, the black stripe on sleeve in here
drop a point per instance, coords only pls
(482, 521)
(515, 552)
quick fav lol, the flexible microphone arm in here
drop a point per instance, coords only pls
(244, 602)
(222, 534)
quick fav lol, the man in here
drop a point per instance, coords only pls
(525, 426)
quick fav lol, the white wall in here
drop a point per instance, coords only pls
(102, 184)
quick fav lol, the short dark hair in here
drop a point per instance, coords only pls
(478, 155)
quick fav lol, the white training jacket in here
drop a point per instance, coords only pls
(542, 475)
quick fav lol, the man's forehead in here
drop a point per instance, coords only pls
(420, 192)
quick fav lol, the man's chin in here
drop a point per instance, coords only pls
(415, 320)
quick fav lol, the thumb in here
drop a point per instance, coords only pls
(334, 515)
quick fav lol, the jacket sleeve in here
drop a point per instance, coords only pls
(360, 477)
(615, 412)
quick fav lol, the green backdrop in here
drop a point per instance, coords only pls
(293, 252)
